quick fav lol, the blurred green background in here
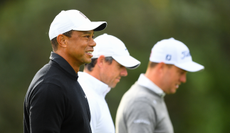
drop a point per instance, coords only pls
(199, 106)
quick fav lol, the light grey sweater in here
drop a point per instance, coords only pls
(141, 110)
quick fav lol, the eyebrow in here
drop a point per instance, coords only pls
(181, 70)
(184, 71)
(87, 32)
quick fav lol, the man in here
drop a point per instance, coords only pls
(142, 108)
(109, 62)
(55, 102)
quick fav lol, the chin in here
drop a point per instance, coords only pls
(112, 86)
(87, 61)
(173, 92)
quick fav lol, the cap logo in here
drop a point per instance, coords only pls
(185, 54)
(83, 15)
(168, 57)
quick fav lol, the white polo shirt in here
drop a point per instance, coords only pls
(95, 90)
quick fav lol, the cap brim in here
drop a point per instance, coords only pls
(127, 61)
(190, 66)
(96, 26)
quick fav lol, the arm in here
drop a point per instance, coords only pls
(47, 109)
(140, 118)
(94, 111)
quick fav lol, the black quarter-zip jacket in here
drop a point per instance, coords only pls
(55, 102)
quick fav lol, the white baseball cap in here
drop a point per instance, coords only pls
(111, 46)
(73, 20)
(171, 51)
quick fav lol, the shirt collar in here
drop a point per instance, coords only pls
(145, 82)
(94, 84)
(63, 64)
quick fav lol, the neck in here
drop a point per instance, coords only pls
(73, 64)
(154, 76)
(95, 72)
(92, 73)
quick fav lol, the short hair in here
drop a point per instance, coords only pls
(54, 42)
(153, 64)
(91, 65)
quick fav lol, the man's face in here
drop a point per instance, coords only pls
(80, 47)
(173, 77)
(112, 73)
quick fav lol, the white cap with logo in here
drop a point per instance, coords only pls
(73, 20)
(171, 51)
(111, 46)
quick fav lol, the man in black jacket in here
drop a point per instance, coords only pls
(55, 102)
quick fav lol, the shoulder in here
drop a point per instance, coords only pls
(138, 97)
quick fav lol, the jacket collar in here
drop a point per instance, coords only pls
(144, 81)
(63, 64)
(93, 84)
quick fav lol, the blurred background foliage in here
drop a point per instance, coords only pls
(199, 106)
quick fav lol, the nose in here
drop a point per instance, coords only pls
(183, 78)
(124, 72)
(92, 43)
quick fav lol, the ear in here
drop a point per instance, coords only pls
(161, 66)
(100, 61)
(61, 39)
